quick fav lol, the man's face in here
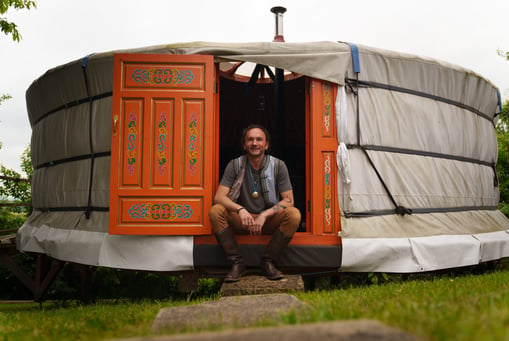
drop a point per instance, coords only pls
(255, 142)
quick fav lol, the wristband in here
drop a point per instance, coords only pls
(242, 208)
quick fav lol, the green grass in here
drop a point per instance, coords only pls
(471, 307)
(74, 321)
(439, 307)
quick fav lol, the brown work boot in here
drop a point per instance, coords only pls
(276, 245)
(270, 271)
(226, 238)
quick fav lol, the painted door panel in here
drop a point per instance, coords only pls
(325, 216)
(162, 154)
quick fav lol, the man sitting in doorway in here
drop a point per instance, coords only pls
(254, 196)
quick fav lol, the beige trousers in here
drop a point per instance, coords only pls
(287, 220)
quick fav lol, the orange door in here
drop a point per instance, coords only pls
(162, 144)
(322, 185)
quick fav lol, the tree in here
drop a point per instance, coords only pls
(503, 158)
(503, 118)
(15, 191)
(16, 188)
(4, 97)
(10, 28)
(503, 151)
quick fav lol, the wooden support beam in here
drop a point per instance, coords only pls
(45, 278)
(20, 274)
(86, 272)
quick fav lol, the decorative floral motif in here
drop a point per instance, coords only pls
(160, 211)
(326, 102)
(131, 143)
(328, 190)
(137, 211)
(161, 146)
(162, 76)
(193, 137)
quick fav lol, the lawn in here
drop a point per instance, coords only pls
(447, 306)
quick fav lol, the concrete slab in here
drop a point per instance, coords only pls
(232, 311)
(351, 330)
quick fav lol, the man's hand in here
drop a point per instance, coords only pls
(258, 224)
(254, 226)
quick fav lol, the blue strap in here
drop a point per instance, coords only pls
(355, 57)
(499, 100)
(84, 61)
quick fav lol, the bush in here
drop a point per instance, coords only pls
(104, 283)
(11, 220)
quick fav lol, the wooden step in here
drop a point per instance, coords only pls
(256, 285)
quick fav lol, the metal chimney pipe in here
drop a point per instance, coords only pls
(279, 83)
(278, 12)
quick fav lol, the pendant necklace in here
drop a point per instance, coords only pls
(255, 193)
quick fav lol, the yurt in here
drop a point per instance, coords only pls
(392, 156)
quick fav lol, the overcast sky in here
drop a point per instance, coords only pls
(466, 32)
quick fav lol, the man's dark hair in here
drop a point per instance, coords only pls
(253, 126)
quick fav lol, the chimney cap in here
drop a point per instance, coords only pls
(278, 10)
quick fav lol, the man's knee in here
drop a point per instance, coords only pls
(217, 212)
(291, 221)
(293, 215)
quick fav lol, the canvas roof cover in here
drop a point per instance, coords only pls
(416, 155)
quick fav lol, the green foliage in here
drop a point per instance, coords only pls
(113, 283)
(10, 28)
(4, 97)
(26, 162)
(378, 277)
(104, 283)
(504, 54)
(503, 158)
(17, 189)
(10, 219)
(503, 170)
(503, 118)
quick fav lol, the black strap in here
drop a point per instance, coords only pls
(492, 165)
(88, 211)
(73, 104)
(421, 153)
(72, 209)
(71, 159)
(374, 213)
(369, 84)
